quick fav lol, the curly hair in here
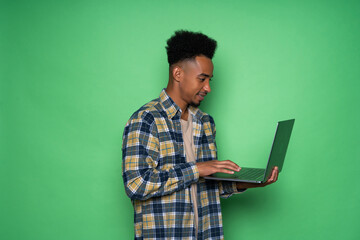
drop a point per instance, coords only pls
(187, 45)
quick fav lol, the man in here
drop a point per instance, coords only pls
(169, 145)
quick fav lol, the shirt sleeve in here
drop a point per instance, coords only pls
(142, 177)
(227, 189)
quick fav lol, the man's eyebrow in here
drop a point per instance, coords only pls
(205, 75)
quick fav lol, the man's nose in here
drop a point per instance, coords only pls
(207, 87)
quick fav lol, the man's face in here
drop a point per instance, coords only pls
(195, 82)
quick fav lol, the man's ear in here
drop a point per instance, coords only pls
(177, 73)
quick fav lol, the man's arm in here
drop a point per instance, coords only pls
(141, 176)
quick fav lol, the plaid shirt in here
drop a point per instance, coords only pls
(157, 177)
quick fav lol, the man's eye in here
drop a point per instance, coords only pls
(202, 79)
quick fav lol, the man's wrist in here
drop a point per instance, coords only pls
(241, 187)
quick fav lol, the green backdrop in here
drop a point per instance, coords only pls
(72, 73)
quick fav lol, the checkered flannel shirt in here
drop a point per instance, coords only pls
(157, 177)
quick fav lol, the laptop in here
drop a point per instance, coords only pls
(276, 158)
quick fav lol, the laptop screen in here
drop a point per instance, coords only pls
(279, 147)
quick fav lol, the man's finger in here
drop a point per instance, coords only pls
(229, 165)
(227, 168)
(273, 177)
(276, 175)
(228, 162)
(276, 172)
(223, 170)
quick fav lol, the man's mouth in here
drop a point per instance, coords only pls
(202, 95)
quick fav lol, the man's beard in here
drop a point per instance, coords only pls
(195, 104)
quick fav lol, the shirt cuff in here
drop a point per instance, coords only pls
(229, 188)
(236, 190)
(190, 173)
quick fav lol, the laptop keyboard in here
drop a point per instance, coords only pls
(250, 173)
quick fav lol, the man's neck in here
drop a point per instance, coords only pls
(181, 103)
(185, 114)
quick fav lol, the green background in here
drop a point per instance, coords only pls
(72, 73)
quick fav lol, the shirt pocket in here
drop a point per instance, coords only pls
(207, 149)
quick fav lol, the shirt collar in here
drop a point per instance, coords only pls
(171, 108)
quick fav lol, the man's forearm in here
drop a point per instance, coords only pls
(153, 182)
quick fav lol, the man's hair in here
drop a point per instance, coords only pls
(187, 45)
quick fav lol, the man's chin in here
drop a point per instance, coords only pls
(194, 104)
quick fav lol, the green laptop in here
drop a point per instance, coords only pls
(276, 158)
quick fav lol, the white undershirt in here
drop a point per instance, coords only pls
(187, 132)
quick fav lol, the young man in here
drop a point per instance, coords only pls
(169, 145)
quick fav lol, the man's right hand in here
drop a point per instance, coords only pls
(214, 166)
